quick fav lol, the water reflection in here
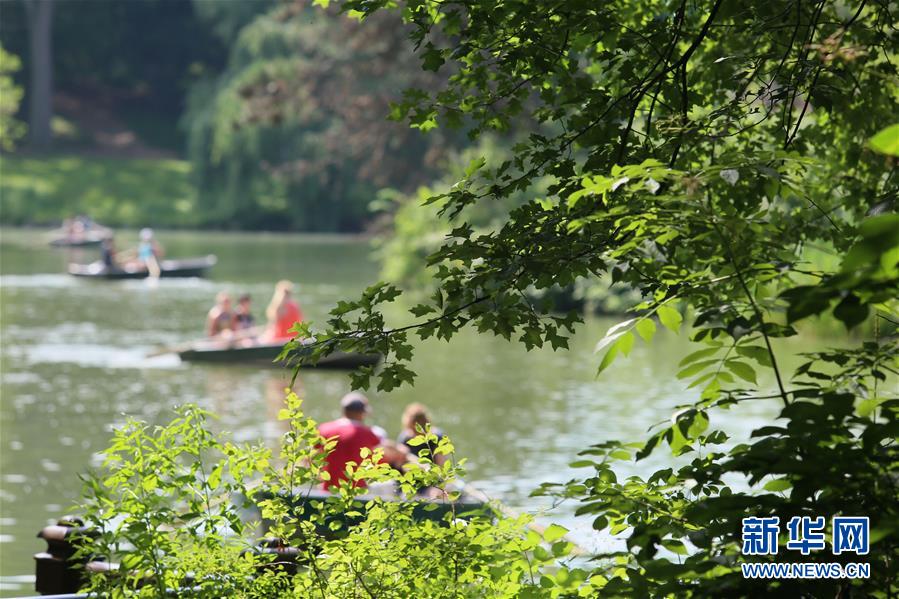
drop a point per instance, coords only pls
(75, 364)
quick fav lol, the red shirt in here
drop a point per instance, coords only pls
(351, 436)
(291, 315)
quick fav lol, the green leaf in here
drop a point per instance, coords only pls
(677, 441)
(607, 359)
(804, 301)
(741, 369)
(646, 328)
(755, 352)
(554, 532)
(701, 380)
(582, 464)
(886, 141)
(670, 318)
(702, 353)
(432, 58)
(674, 546)
(613, 334)
(474, 166)
(561, 548)
(850, 311)
(777, 485)
(695, 368)
(698, 426)
(867, 406)
(626, 343)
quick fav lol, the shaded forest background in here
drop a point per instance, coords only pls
(258, 115)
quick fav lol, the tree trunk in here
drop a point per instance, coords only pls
(40, 30)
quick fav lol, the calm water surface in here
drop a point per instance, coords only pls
(75, 364)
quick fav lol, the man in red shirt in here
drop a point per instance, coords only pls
(352, 434)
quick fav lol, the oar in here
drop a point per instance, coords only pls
(172, 349)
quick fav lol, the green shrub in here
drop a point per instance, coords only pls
(113, 191)
(167, 505)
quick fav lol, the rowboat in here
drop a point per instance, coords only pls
(80, 232)
(189, 267)
(265, 354)
(438, 510)
(88, 239)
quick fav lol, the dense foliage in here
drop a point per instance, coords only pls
(129, 192)
(412, 232)
(700, 152)
(11, 129)
(279, 107)
(169, 503)
(141, 65)
(292, 135)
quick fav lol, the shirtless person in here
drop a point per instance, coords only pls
(219, 318)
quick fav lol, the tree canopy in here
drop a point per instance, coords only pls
(702, 154)
(293, 135)
(11, 129)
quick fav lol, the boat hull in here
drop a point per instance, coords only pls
(76, 243)
(265, 355)
(191, 267)
(91, 238)
(434, 510)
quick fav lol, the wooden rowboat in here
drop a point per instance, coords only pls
(189, 267)
(310, 502)
(89, 239)
(265, 354)
(86, 237)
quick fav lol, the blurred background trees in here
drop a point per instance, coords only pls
(11, 129)
(259, 115)
(292, 134)
(277, 109)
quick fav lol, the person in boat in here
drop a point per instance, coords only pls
(149, 252)
(219, 319)
(282, 313)
(77, 231)
(108, 253)
(86, 223)
(243, 316)
(352, 434)
(416, 421)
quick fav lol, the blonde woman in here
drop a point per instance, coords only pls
(282, 313)
(416, 421)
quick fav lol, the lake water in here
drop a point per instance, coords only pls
(75, 363)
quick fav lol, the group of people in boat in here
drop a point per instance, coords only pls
(231, 323)
(81, 228)
(235, 325)
(147, 254)
(351, 435)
